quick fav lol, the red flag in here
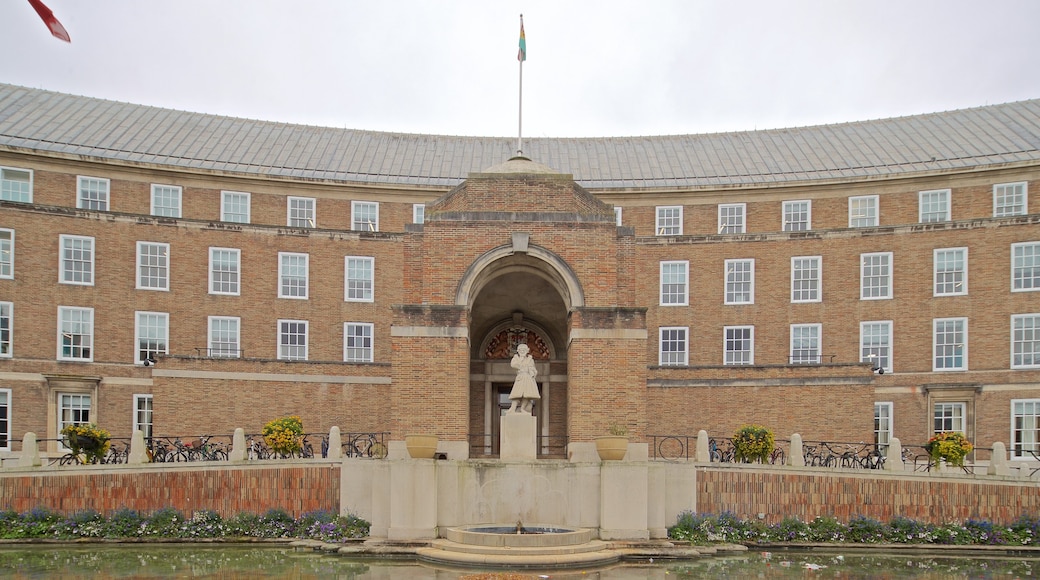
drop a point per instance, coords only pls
(57, 30)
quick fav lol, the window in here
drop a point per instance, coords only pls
(77, 260)
(1025, 341)
(805, 344)
(882, 426)
(949, 417)
(875, 281)
(731, 218)
(16, 184)
(951, 344)
(1025, 266)
(166, 200)
(93, 193)
(75, 333)
(6, 253)
(617, 216)
(357, 342)
(364, 216)
(673, 350)
(418, 213)
(1009, 199)
(951, 271)
(740, 281)
(863, 211)
(805, 279)
(675, 280)
(5, 419)
(223, 270)
(6, 326)
(151, 335)
(143, 415)
(360, 278)
(293, 275)
(875, 344)
(153, 266)
(73, 409)
(669, 220)
(739, 345)
(1025, 427)
(797, 216)
(292, 340)
(234, 207)
(301, 212)
(934, 206)
(223, 337)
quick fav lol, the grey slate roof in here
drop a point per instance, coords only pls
(74, 125)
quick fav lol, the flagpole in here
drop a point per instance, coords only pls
(521, 56)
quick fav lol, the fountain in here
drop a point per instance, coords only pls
(521, 546)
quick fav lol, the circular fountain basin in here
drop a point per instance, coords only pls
(537, 546)
(530, 536)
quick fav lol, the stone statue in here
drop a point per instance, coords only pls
(525, 390)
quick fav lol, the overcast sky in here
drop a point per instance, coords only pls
(595, 68)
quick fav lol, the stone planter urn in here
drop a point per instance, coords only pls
(421, 446)
(612, 447)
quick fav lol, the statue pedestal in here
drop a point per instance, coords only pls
(519, 436)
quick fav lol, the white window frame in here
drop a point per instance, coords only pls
(1025, 341)
(947, 280)
(92, 193)
(933, 206)
(364, 216)
(876, 345)
(161, 194)
(287, 350)
(1025, 267)
(791, 211)
(617, 215)
(675, 284)
(957, 416)
(941, 332)
(233, 273)
(153, 263)
(231, 344)
(359, 288)
(679, 336)
(6, 254)
(806, 344)
(235, 199)
(806, 279)
(367, 352)
(142, 419)
(1010, 199)
(729, 360)
(66, 326)
(1025, 428)
(881, 271)
(162, 345)
(669, 220)
(883, 421)
(291, 284)
(8, 191)
(5, 419)
(739, 291)
(864, 212)
(732, 218)
(75, 415)
(301, 212)
(6, 329)
(418, 213)
(67, 253)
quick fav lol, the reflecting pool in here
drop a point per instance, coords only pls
(237, 561)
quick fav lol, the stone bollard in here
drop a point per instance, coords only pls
(894, 457)
(998, 461)
(138, 451)
(238, 446)
(335, 444)
(796, 456)
(703, 454)
(30, 452)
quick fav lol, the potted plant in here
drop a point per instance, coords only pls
(421, 446)
(753, 443)
(614, 445)
(87, 441)
(950, 446)
(284, 436)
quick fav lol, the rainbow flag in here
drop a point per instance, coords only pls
(522, 54)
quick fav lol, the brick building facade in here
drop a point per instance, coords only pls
(192, 274)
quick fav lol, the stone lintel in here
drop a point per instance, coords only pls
(765, 382)
(430, 315)
(609, 317)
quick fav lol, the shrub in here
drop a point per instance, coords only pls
(753, 443)
(284, 436)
